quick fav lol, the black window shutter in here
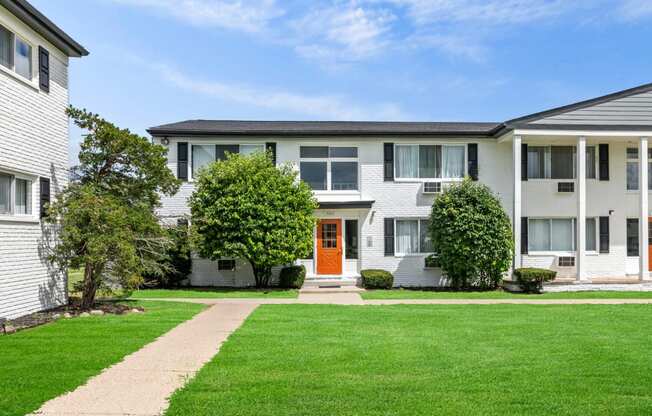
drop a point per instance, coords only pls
(44, 69)
(473, 161)
(524, 235)
(44, 196)
(389, 236)
(604, 162)
(524, 162)
(388, 162)
(271, 147)
(182, 161)
(604, 234)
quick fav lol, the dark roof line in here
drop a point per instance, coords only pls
(517, 122)
(44, 26)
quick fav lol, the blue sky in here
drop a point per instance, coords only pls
(159, 61)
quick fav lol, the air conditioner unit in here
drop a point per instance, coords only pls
(566, 261)
(565, 187)
(432, 187)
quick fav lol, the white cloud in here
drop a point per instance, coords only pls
(452, 45)
(333, 107)
(251, 16)
(342, 32)
(636, 9)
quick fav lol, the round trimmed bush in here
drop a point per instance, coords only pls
(292, 277)
(532, 279)
(377, 279)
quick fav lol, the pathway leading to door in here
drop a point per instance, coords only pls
(142, 383)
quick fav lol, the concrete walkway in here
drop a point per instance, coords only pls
(142, 383)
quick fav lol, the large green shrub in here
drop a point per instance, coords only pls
(376, 279)
(471, 235)
(176, 262)
(292, 277)
(531, 279)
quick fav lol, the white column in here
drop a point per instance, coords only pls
(643, 213)
(516, 209)
(581, 209)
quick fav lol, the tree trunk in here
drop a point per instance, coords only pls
(90, 286)
(262, 275)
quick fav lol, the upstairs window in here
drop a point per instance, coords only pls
(632, 169)
(429, 161)
(15, 53)
(203, 154)
(326, 168)
(558, 162)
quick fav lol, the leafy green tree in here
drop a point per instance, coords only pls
(106, 216)
(247, 208)
(472, 236)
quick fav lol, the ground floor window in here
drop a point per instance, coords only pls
(559, 234)
(226, 265)
(413, 236)
(15, 195)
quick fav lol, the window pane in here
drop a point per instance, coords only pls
(562, 234)
(562, 162)
(632, 176)
(429, 161)
(202, 155)
(344, 152)
(329, 235)
(539, 235)
(590, 234)
(314, 174)
(221, 150)
(536, 162)
(6, 48)
(23, 59)
(351, 238)
(590, 162)
(407, 236)
(407, 161)
(247, 149)
(344, 176)
(314, 151)
(425, 242)
(632, 237)
(453, 166)
(23, 196)
(5, 194)
(632, 153)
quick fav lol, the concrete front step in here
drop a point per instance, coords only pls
(317, 282)
(343, 289)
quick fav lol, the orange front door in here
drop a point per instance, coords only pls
(329, 247)
(649, 242)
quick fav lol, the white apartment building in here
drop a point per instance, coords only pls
(570, 178)
(34, 58)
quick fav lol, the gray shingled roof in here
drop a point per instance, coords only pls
(328, 128)
(44, 26)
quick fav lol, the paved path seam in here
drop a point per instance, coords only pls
(142, 382)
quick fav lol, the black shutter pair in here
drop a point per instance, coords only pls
(44, 196)
(388, 161)
(43, 69)
(271, 147)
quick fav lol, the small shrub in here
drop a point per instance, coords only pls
(432, 261)
(532, 279)
(292, 277)
(377, 279)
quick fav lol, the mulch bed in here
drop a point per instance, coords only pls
(72, 310)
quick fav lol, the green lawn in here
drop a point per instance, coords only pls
(41, 363)
(206, 293)
(430, 360)
(430, 294)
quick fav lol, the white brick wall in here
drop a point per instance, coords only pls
(34, 143)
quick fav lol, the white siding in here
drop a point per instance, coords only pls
(33, 142)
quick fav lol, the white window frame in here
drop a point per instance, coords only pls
(442, 179)
(637, 162)
(12, 70)
(192, 144)
(329, 160)
(12, 215)
(573, 243)
(419, 252)
(548, 162)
